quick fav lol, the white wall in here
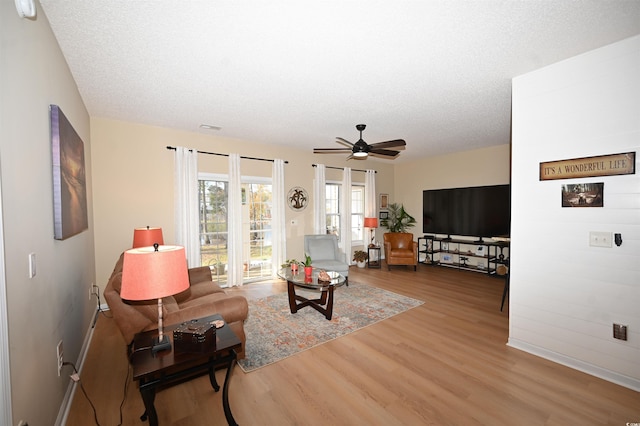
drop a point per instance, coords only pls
(53, 305)
(565, 295)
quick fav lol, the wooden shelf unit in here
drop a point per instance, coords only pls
(490, 257)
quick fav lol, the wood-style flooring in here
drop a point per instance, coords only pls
(443, 363)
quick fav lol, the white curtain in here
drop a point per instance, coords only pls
(187, 220)
(234, 223)
(370, 197)
(319, 201)
(278, 226)
(345, 215)
(370, 207)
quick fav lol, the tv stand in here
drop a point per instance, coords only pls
(480, 256)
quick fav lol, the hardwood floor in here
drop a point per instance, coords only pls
(445, 362)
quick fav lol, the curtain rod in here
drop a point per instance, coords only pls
(342, 168)
(226, 155)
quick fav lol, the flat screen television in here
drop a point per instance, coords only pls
(479, 211)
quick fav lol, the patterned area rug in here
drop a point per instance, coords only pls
(274, 333)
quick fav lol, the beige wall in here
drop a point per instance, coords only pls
(53, 305)
(486, 166)
(133, 181)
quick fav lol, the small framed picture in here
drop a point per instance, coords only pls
(480, 251)
(446, 258)
(384, 201)
(583, 195)
(384, 215)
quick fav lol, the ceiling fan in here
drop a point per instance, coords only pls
(360, 150)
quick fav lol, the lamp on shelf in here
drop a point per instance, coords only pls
(371, 223)
(146, 237)
(153, 273)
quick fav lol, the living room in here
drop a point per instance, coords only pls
(564, 294)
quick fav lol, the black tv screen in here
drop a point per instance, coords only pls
(480, 211)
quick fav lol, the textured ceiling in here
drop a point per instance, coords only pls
(299, 73)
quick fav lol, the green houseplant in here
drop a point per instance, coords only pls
(360, 257)
(307, 266)
(398, 220)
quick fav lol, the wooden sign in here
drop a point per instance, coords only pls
(602, 165)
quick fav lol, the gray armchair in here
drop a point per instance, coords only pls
(325, 254)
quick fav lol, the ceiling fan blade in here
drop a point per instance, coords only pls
(331, 150)
(384, 153)
(344, 141)
(396, 143)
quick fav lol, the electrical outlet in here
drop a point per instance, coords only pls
(60, 356)
(94, 290)
(620, 331)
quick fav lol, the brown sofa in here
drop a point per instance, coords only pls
(400, 249)
(202, 298)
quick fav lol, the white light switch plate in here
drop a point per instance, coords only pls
(600, 239)
(32, 265)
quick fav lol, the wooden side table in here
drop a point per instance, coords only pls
(152, 372)
(377, 262)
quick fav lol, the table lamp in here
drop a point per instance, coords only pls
(371, 223)
(146, 237)
(153, 273)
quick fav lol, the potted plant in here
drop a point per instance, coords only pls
(292, 263)
(360, 257)
(307, 266)
(398, 220)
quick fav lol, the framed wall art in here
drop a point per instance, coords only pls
(583, 195)
(384, 201)
(69, 178)
(297, 198)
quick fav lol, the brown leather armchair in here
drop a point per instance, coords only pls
(400, 249)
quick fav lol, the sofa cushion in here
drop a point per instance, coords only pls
(232, 308)
(197, 290)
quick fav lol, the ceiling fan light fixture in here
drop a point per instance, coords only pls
(361, 149)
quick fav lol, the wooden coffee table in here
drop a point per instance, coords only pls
(323, 304)
(168, 367)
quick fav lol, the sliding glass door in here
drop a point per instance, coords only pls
(256, 226)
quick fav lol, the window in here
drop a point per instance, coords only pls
(334, 210)
(256, 226)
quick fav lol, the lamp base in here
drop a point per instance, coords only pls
(160, 345)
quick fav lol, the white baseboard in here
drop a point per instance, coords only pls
(576, 364)
(63, 413)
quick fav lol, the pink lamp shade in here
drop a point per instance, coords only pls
(148, 274)
(153, 273)
(145, 237)
(370, 222)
